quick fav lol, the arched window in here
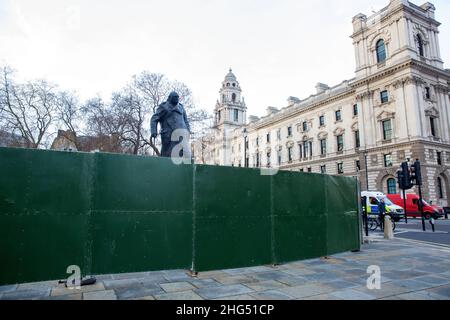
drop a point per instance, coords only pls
(420, 45)
(440, 190)
(233, 97)
(381, 51)
(391, 186)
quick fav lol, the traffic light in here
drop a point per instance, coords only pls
(416, 175)
(401, 182)
(404, 178)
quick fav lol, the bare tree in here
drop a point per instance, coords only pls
(130, 110)
(28, 109)
(69, 115)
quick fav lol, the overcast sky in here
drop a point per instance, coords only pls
(277, 48)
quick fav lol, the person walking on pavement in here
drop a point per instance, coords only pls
(382, 212)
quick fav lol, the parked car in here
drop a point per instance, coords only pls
(372, 200)
(412, 206)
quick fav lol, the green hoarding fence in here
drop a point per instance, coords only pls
(112, 213)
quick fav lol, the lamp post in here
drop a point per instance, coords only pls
(244, 132)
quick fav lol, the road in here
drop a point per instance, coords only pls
(413, 230)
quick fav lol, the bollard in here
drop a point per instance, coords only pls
(388, 232)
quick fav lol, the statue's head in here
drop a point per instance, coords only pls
(174, 98)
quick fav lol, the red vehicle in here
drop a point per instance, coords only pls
(412, 206)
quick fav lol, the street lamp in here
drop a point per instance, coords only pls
(244, 132)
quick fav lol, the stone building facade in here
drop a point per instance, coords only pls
(396, 108)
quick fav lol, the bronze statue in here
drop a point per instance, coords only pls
(171, 116)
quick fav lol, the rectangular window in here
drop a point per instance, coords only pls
(340, 168)
(279, 158)
(357, 144)
(268, 138)
(323, 147)
(358, 165)
(384, 96)
(340, 143)
(388, 160)
(387, 130)
(302, 170)
(257, 142)
(257, 160)
(439, 157)
(290, 154)
(355, 109)
(306, 149)
(268, 159)
(338, 115)
(289, 130)
(300, 151)
(433, 127)
(323, 169)
(305, 126)
(427, 93)
(279, 134)
(322, 120)
(309, 169)
(236, 115)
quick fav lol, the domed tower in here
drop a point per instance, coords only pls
(230, 111)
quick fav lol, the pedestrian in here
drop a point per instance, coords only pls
(381, 212)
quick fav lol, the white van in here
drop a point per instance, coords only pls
(372, 200)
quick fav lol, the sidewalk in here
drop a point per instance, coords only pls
(409, 270)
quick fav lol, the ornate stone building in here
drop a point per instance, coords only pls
(396, 108)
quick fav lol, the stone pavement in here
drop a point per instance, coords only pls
(409, 270)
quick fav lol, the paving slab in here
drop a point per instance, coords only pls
(76, 296)
(176, 286)
(238, 297)
(351, 294)
(265, 285)
(306, 290)
(201, 283)
(25, 294)
(138, 292)
(184, 295)
(100, 295)
(223, 291)
(271, 295)
(442, 291)
(61, 290)
(8, 288)
(234, 279)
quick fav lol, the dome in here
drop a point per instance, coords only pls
(230, 76)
